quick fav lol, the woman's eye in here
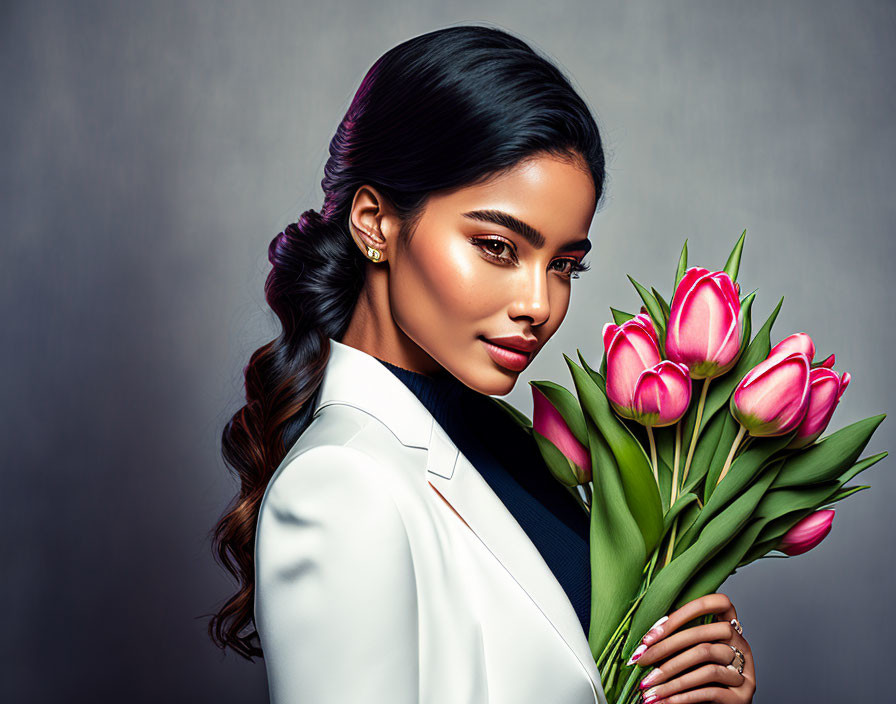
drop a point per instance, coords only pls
(493, 249)
(568, 265)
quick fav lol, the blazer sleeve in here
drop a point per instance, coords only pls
(336, 596)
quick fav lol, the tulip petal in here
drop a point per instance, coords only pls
(797, 342)
(549, 422)
(807, 533)
(704, 329)
(662, 394)
(772, 398)
(632, 350)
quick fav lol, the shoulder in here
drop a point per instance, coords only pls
(326, 477)
(344, 454)
(331, 506)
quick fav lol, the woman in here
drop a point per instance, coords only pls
(395, 537)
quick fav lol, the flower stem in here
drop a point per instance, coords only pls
(625, 694)
(656, 473)
(731, 452)
(700, 404)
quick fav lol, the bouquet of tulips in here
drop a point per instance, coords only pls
(684, 485)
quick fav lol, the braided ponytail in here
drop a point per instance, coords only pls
(316, 277)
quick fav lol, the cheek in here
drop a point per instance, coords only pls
(445, 283)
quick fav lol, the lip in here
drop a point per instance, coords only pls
(511, 358)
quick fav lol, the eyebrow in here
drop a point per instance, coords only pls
(525, 230)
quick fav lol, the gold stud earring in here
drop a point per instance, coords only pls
(373, 254)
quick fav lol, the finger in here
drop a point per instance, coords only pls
(695, 656)
(707, 674)
(722, 695)
(715, 603)
(687, 638)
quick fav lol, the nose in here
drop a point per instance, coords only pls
(530, 299)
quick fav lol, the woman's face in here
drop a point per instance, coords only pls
(485, 262)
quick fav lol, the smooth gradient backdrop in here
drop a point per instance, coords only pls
(151, 150)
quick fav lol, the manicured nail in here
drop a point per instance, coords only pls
(639, 651)
(655, 631)
(650, 679)
(650, 696)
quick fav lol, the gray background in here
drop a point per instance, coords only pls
(151, 151)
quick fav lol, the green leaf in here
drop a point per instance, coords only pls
(516, 415)
(559, 464)
(860, 466)
(722, 565)
(641, 492)
(726, 428)
(665, 446)
(680, 504)
(805, 499)
(620, 316)
(567, 406)
(682, 267)
(759, 550)
(848, 491)
(663, 305)
(653, 310)
(617, 547)
(665, 482)
(830, 456)
(742, 471)
(733, 263)
(597, 378)
(670, 580)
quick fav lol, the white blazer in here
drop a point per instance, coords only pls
(387, 570)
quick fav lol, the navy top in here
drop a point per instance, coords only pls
(509, 460)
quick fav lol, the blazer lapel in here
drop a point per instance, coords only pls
(355, 378)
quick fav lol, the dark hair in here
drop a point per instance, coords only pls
(445, 109)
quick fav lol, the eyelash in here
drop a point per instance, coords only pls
(574, 268)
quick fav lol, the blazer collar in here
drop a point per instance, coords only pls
(356, 378)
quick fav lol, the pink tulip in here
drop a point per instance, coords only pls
(641, 386)
(807, 533)
(631, 348)
(547, 421)
(662, 394)
(825, 389)
(704, 329)
(773, 396)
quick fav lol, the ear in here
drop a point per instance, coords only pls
(370, 219)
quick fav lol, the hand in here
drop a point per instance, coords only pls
(692, 647)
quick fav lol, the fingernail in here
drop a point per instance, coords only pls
(650, 679)
(650, 696)
(655, 631)
(639, 651)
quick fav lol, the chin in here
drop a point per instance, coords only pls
(500, 382)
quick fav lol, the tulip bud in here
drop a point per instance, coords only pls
(705, 323)
(662, 394)
(825, 389)
(773, 396)
(549, 423)
(807, 533)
